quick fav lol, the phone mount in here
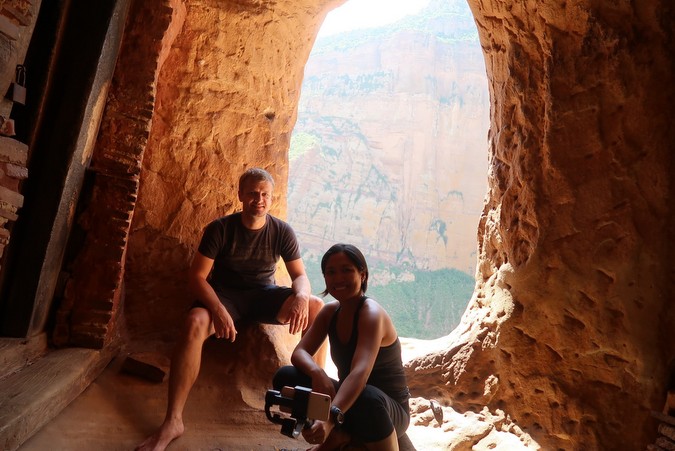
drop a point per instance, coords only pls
(301, 403)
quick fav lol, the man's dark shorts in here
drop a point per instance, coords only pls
(260, 304)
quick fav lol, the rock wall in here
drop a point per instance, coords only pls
(89, 311)
(569, 329)
(226, 100)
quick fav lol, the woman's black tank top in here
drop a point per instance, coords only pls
(387, 373)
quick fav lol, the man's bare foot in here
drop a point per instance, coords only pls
(167, 432)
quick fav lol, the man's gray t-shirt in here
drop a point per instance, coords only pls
(246, 258)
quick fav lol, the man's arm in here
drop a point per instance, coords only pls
(298, 310)
(197, 277)
(300, 281)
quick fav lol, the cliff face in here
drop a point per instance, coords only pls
(570, 315)
(566, 331)
(569, 330)
(389, 150)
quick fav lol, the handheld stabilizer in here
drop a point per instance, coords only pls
(301, 403)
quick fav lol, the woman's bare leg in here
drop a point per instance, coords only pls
(336, 440)
(388, 444)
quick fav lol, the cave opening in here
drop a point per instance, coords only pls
(573, 231)
(389, 152)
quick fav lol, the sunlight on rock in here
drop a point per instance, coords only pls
(468, 431)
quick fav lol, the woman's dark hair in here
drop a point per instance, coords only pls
(353, 254)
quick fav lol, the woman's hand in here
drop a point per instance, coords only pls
(321, 383)
(318, 432)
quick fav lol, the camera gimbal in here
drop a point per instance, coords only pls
(301, 403)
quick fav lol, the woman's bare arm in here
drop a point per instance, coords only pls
(309, 344)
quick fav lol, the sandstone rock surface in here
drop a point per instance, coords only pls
(226, 100)
(566, 329)
(569, 330)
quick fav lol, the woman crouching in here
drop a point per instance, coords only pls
(370, 399)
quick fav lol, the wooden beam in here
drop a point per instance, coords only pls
(33, 396)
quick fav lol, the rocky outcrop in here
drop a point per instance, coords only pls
(566, 332)
(222, 104)
(569, 330)
(389, 151)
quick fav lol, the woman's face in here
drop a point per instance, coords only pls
(343, 279)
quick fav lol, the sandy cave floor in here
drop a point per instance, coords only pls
(117, 411)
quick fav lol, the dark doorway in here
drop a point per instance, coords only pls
(70, 60)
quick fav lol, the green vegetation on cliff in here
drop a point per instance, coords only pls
(432, 20)
(301, 143)
(428, 307)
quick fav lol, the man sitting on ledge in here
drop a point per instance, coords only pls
(232, 278)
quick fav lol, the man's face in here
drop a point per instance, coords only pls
(256, 198)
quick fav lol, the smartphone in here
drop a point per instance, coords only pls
(318, 404)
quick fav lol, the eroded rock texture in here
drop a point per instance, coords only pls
(568, 328)
(568, 331)
(226, 100)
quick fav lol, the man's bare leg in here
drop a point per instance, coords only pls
(314, 307)
(185, 365)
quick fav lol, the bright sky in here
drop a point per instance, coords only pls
(367, 14)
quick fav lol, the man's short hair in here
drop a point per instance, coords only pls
(256, 174)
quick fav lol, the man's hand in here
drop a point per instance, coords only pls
(298, 316)
(223, 324)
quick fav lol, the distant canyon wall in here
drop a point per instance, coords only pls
(390, 147)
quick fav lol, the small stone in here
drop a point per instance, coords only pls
(150, 366)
